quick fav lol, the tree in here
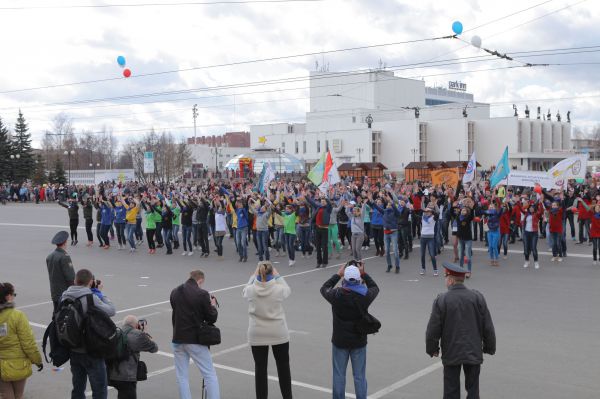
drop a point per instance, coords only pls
(21, 145)
(58, 175)
(39, 172)
(5, 151)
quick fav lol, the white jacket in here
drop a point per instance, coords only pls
(267, 318)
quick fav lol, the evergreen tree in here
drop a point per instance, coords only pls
(5, 151)
(58, 175)
(21, 145)
(39, 172)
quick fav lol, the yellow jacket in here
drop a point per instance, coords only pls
(16, 338)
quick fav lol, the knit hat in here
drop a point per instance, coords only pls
(351, 273)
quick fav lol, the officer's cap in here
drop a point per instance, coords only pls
(60, 237)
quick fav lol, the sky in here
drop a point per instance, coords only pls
(63, 47)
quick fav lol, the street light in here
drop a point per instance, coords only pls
(414, 152)
(218, 152)
(12, 169)
(69, 153)
(459, 151)
(95, 165)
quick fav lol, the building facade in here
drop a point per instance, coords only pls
(405, 128)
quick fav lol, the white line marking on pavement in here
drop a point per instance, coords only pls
(144, 277)
(34, 304)
(38, 325)
(142, 285)
(405, 381)
(143, 316)
(237, 286)
(54, 226)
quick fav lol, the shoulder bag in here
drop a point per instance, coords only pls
(367, 324)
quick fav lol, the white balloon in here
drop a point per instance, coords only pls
(476, 41)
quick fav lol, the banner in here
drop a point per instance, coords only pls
(148, 162)
(529, 178)
(502, 169)
(570, 168)
(448, 176)
(470, 172)
(266, 176)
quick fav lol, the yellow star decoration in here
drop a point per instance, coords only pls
(262, 139)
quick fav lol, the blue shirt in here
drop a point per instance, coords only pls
(242, 217)
(120, 213)
(107, 215)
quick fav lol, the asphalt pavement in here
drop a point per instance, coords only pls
(546, 320)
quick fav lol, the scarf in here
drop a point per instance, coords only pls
(355, 286)
(6, 305)
(269, 277)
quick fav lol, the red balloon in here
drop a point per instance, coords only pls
(126, 72)
(538, 189)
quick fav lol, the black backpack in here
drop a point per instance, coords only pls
(69, 323)
(101, 335)
(59, 354)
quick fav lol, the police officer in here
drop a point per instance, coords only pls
(60, 268)
(461, 320)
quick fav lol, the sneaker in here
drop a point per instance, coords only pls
(245, 259)
(504, 257)
(554, 259)
(526, 264)
(240, 259)
(131, 250)
(537, 265)
(560, 259)
(190, 253)
(184, 253)
(468, 275)
(169, 252)
(388, 269)
(90, 243)
(397, 270)
(303, 255)
(318, 266)
(435, 273)
(422, 272)
(292, 262)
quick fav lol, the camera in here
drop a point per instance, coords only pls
(142, 324)
(96, 283)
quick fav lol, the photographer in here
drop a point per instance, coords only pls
(124, 374)
(347, 342)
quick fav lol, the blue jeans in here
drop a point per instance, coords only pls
(176, 233)
(195, 233)
(305, 240)
(530, 239)
(130, 230)
(121, 233)
(83, 367)
(289, 241)
(430, 244)
(504, 242)
(241, 239)
(279, 239)
(219, 244)
(340, 358)
(262, 238)
(391, 240)
(493, 243)
(465, 248)
(186, 234)
(167, 237)
(557, 247)
(200, 354)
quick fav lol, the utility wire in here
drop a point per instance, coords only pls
(187, 3)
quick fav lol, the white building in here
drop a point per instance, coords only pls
(411, 122)
(203, 155)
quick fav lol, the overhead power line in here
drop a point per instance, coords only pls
(131, 5)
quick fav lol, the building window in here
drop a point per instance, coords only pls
(304, 147)
(283, 146)
(318, 146)
(354, 119)
(290, 129)
(296, 147)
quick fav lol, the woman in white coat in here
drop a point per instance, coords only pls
(265, 293)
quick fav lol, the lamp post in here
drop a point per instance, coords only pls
(94, 165)
(13, 157)
(359, 151)
(414, 152)
(218, 152)
(68, 154)
(459, 151)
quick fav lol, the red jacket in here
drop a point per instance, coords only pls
(536, 215)
(595, 226)
(505, 222)
(582, 213)
(416, 200)
(556, 221)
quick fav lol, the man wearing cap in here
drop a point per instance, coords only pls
(461, 320)
(346, 341)
(60, 268)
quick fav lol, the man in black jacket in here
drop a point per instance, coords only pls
(347, 342)
(60, 268)
(461, 320)
(192, 306)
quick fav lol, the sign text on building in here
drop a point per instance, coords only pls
(457, 85)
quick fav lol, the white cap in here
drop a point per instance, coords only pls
(351, 273)
(352, 202)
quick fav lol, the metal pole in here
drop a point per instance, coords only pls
(195, 115)
(69, 168)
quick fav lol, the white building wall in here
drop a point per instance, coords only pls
(536, 137)
(445, 137)
(205, 155)
(492, 136)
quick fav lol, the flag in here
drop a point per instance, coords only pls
(266, 176)
(331, 174)
(470, 172)
(502, 169)
(316, 173)
(571, 168)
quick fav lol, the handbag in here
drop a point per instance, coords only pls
(142, 371)
(208, 334)
(367, 324)
(15, 369)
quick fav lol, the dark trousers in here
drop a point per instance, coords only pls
(139, 233)
(282, 360)
(584, 230)
(219, 243)
(416, 224)
(121, 233)
(83, 367)
(452, 381)
(104, 229)
(596, 248)
(99, 233)
(343, 233)
(378, 237)
(203, 237)
(366, 241)
(158, 234)
(73, 224)
(150, 238)
(88, 229)
(321, 236)
(571, 219)
(125, 389)
(404, 239)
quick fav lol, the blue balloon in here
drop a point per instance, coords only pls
(457, 27)
(121, 60)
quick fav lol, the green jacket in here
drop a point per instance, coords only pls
(289, 223)
(176, 215)
(151, 218)
(16, 338)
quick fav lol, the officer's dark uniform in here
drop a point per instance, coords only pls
(60, 269)
(461, 320)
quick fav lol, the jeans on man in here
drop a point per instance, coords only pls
(139, 233)
(130, 232)
(241, 238)
(289, 242)
(83, 367)
(465, 249)
(305, 240)
(219, 243)
(404, 239)
(391, 240)
(186, 233)
(168, 237)
(88, 229)
(262, 238)
(358, 357)
(176, 234)
(200, 355)
(104, 229)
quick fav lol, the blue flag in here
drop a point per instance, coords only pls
(502, 169)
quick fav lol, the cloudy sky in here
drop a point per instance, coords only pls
(75, 49)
